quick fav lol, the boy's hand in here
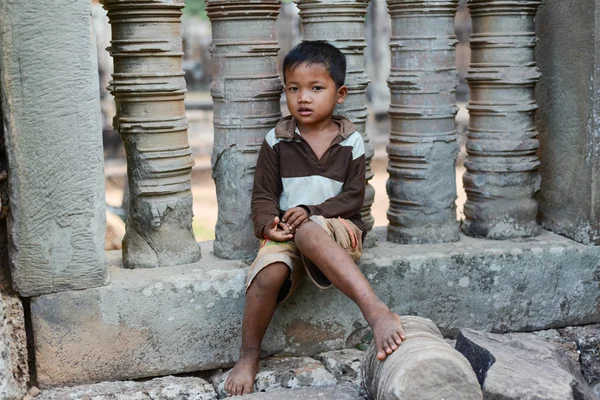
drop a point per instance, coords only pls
(277, 231)
(294, 217)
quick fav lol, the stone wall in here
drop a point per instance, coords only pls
(568, 119)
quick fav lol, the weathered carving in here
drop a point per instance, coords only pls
(149, 89)
(246, 91)
(424, 367)
(423, 148)
(342, 23)
(502, 166)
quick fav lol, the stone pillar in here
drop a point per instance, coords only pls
(149, 89)
(246, 92)
(342, 23)
(423, 148)
(51, 105)
(378, 59)
(501, 175)
(568, 93)
(424, 367)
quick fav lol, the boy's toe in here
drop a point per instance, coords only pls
(246, 389)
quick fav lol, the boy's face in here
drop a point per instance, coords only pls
(311, 95)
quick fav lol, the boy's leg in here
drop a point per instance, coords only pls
(261, 299)
(335, 263)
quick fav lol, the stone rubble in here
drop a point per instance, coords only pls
(587, 342)
(345, 365)
(166, 388)
(522, 366)
(14, 371)
(338, 392)
(276, 373)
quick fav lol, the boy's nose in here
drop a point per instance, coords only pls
(304, 97)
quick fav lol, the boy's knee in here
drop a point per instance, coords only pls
(306, 233)
(271, 277)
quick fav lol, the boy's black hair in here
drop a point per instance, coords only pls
(317, 52)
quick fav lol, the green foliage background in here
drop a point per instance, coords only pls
(197, 8)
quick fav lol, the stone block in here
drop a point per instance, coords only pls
(291, 372)
(187, 318)
(568, 119)
(521, 366)
(167, 388)
(51, 106)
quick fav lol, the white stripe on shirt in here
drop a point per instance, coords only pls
(308, 190)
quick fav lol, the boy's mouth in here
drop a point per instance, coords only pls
(304, 111)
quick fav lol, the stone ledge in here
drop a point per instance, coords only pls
(185, 318)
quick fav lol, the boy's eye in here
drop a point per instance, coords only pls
(292, 89)
(317, 87)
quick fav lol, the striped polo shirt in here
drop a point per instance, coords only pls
(289, 174)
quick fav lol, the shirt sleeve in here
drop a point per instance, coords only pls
(348, 203)
(267, 189)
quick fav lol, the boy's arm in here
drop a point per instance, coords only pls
(267, 188)
(348, 203)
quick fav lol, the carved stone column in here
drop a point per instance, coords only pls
(149, 89)
(246, 92)
(502, 164)
(342, 23)
(423, 148)
(423, 367)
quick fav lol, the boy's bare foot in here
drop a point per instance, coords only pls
(241, 377)
(387, 330)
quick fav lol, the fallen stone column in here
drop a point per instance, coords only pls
(342, 23)
(424, 367)
(422, 149)
(246, 91)
(501, 175)
(149, 89)
(53, 133)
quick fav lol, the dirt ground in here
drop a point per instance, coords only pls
(203, 187)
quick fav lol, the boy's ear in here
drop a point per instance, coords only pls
(342, 93)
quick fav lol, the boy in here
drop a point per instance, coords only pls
(311, 169)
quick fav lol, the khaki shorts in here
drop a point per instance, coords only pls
(343, 231)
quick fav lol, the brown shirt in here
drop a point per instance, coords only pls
(288, 174)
